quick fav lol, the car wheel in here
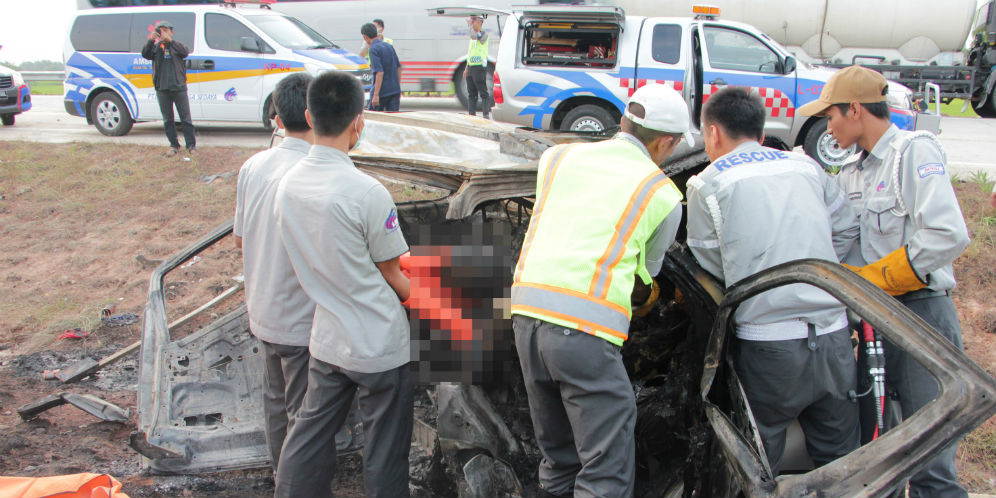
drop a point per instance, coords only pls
(7, 119)
(110, 115)
(587, 117)
(821, 146)
(269, 114)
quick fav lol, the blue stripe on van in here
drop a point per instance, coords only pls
(332, 56)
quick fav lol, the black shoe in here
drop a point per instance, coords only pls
(172, 152)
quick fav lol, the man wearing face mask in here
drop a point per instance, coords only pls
(340, 229)
(573, 291)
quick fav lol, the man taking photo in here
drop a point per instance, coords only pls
(169, 77)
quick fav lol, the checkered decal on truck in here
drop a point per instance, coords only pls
(777, 103)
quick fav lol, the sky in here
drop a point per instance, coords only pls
(34, 29)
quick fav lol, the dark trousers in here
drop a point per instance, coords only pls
(285, 380)
(477, 86)
(582, 407)
(386, 400)
(916, 387)
(167, 99)
(789, 380)
(389, 103)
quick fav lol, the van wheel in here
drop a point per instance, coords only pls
(269, 114)
(587, 117)
(821, 146)
(7, 119)
(110, 115)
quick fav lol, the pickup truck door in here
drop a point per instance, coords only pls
(735, 57)
(663, 57)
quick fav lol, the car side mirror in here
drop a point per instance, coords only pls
(250, 44)
(789, 65)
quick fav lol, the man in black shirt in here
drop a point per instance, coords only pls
(386, 92)
(169, 77)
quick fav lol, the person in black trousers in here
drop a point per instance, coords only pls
(169, 77)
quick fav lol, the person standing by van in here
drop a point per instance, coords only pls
(476, 69)
(280, 312)
(386, 93)
(169, 78)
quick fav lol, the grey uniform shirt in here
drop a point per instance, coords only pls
(336, 223)
(757, 207)
(280, 312)
(913, 205)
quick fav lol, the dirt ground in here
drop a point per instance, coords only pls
(81, 228)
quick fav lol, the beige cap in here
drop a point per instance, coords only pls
(851, 84)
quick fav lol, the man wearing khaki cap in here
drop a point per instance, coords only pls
(911, 231)
(572, 302)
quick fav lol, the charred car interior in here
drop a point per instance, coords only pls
(200, 381)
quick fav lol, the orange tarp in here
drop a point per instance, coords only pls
(69, 486)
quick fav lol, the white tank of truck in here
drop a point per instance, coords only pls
(903, 32)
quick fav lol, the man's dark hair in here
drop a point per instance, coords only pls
(878, 109)
(379, 23)
(740, 114)
(291, 99)
(644, 134)
(369, 30)
(335, 98)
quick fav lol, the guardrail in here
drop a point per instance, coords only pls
(43, 75)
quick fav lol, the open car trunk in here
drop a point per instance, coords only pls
(580, 37)
(471, 185)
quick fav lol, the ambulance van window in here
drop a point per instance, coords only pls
(667, 43)
(738, 51)
(143, 24)
(101, 33)
(225, 33)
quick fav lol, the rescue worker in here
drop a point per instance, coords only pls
(280, 312)
(475, 72)
(753, 208)
(340, 228)
(912, 230)
(571, 293)
(169, 77)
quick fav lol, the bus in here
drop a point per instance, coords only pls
(432, 49)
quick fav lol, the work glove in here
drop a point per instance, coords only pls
(648, 305)
(893, 273)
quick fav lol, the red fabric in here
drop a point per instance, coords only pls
(67, 486)
(429, 299)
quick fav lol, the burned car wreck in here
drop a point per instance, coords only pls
(464, 189)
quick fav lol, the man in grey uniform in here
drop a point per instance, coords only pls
(911, 231)
(753, 208)
(340, 229)
(280, 312)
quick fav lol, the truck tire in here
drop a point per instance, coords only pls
(7, 119)
(988, 109)
(110, 115)
(822, 147)
(460, 84)
(588, 117)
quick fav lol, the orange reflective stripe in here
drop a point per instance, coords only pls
(638, 200)
(555, 161)
(581, 295)
(582, 324)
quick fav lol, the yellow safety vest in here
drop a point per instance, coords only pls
(477, 52)
(597, 206)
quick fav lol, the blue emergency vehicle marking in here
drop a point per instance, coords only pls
(930, 169)
(586, 84)
(756, 156)
(331, 56)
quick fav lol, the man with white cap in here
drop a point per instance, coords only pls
(753, 208)
(604, 216)
(912, 229)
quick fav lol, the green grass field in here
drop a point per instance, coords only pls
(954, 109)
(46, 87)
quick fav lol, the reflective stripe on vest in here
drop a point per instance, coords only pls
(572, 285)
(477, 52)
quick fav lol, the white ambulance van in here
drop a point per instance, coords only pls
(237, 57)
(574, 68)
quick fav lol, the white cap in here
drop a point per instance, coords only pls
(664, 108)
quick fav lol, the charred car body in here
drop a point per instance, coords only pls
(200, 388)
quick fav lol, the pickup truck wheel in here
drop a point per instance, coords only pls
(110, 115)
(587, 118)
(7, 119)
(822, 147)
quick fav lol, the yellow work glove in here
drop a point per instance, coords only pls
(893, 273)
(643, 309)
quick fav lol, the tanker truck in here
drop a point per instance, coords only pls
(914, 42)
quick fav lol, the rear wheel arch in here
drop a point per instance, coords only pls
(565, 108)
